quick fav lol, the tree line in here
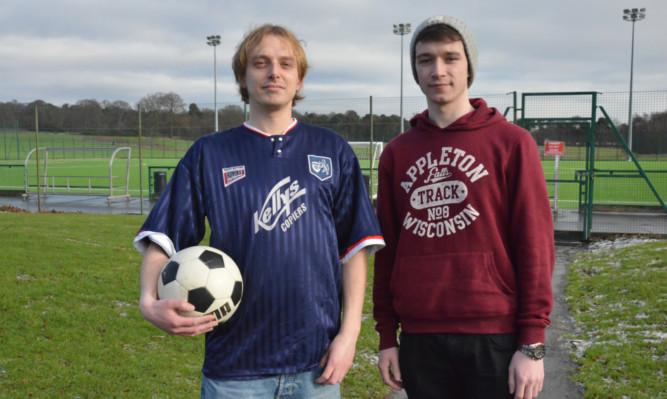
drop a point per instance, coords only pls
(649, 133)
(166, 115)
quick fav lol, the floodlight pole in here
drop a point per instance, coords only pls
(214, 40)
(632, 15)
(401, 29)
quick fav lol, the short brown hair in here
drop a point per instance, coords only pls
(253, 38)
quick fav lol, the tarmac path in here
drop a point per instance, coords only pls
(558, 368)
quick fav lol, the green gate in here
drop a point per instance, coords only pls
(555, 113)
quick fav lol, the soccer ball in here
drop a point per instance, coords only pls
(205, 277)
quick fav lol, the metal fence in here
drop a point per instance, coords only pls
(600, 182)
(600, 156)
(163, 140)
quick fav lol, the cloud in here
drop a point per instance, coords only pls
(124, 50)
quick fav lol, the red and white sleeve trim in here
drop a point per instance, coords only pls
(371, 243)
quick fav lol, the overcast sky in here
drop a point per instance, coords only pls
(62, 51)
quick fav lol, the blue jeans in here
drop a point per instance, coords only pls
(297, 386)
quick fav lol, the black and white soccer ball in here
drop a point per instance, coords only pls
(205, 277)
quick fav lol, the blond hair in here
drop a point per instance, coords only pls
(252, 39)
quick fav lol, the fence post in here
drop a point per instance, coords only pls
(39, 186)
(4, 133)
(18, 142)
(141, 180)
(370, 175)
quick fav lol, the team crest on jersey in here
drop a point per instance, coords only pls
(233, 174)
(320, 167)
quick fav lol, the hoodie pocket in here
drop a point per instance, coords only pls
(461, 285)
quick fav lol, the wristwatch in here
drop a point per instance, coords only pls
(534, 351)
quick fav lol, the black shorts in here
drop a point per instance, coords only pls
(441, 366)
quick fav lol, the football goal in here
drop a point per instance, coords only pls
(368, 154)
(84, 171)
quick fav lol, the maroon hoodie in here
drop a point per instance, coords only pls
(465, 214)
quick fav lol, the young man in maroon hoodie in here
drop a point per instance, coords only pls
(463, 207)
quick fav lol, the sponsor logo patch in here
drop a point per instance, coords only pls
(233, 174)
(320, 167)
(279, 206)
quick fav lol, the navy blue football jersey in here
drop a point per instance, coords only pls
(289, 210)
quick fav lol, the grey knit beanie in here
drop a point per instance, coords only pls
(469, 42)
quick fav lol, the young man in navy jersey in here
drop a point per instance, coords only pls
(463, 207)
(287, 202)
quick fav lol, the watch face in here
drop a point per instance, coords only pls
(535, 352)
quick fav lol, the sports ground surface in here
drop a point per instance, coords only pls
(559, 367)
(566, 221)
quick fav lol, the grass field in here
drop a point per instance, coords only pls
(159, 151)
(70, 326)
(76, 176)
(16, 145)
(616, 189)
(617, 298)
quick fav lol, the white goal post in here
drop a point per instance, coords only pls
(80, 171)
(368, 154)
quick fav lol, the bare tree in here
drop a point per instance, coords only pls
(159, 103)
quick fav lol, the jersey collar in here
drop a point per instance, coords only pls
(254, 129)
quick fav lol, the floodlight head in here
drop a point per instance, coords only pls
(213, 40)
(401, 29)
(635, 14)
